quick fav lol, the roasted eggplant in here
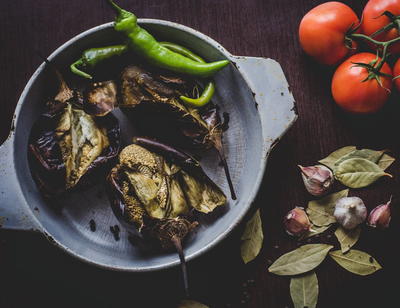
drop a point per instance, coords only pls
(155, 190)
(151, 100)
(66, 144)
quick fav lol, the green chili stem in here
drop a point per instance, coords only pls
(115, 6)
(76, 70)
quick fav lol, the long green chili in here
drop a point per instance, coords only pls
(91, 57)
(145, 45)
(209, 89)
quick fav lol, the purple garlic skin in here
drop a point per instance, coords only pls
(350, 212)
(380, 216)
(296, 222)
(317, 179)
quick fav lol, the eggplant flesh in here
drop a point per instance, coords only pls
(81, 141)
(156, 195)
(66, 144)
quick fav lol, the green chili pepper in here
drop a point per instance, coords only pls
(93, 56)
(144, 44)
(183, 51)
(203, 99)
(209, 89)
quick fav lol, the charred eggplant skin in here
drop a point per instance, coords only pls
(198, 192)
(45, 157)
(101, 98)
(152, 102)
(115, 197)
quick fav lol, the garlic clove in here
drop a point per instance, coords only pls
(350, 212)
(380, 216)
(296, 222)
(317, 179)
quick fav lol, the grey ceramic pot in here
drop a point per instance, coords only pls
(252, 90)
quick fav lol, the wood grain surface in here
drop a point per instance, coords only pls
(34, 273)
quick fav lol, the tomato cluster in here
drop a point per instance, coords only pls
(331, 33)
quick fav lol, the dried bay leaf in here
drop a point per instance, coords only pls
(347, 238)
(320, 218)
(358, 172)
(356, 261)
(187, 303)
(378, 157)
(300, 260)
(321, 211)
(330, 160)
(252, 238)
(368, 154)
(386, 161)
(315, 230)
(304, 290)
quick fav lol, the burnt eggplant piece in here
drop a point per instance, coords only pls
(66, 145)
(101, 98)
(155, 191)
(145, 95)
(152, 101)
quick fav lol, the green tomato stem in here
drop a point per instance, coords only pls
(384, 45)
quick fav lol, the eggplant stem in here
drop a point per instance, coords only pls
(171, 152)
(63, 87)
(178, 246)
(221, 154)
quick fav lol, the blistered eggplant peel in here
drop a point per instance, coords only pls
(81, 141)
(101, 98)
(154, 190)
(150, 186)
(158, 98)
(66, 144)
(152, 101)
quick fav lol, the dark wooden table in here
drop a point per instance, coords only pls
(34, 273)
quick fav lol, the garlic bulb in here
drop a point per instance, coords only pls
(317, 179)
(350, 212)
(296, 222)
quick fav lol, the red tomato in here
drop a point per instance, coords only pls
(322, 32)
(373, 21)
(396, 72)
(352, 94)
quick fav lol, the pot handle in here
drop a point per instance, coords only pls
(275, 102)
(14, 212)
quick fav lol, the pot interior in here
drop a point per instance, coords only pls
(70, 227)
